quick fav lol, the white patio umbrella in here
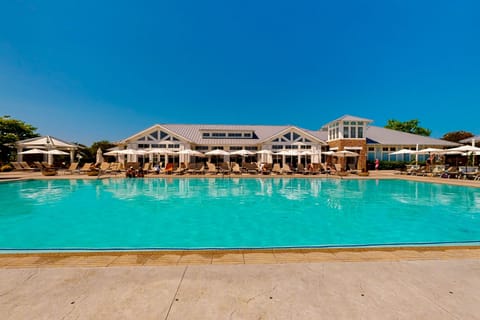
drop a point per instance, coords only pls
(99, 157)
(217, 152)
(57, 152)
(307, 153)
(428, 151)
(471, 150)
(191, 153)
(265, 155)
(242, 152)
(33, 151)
(403, 152)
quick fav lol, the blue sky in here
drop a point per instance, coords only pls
(86, 71)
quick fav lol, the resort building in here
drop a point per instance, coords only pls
(282, 144)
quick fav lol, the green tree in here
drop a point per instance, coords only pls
(11, 131)
(103, 144)
(456, 136)
(410, 126)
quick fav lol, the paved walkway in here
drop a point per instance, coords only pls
(421, 289)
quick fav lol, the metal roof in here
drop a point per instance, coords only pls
(262, 134)
(379, 135)
(193, 133)
(469, 140)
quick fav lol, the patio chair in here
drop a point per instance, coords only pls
(301, 169)
(267, 168)
(17, 166)
(251, 167)
(212, 169)
(26, 166)
(168, 168)
(73, 167)
(104, 167)
(236, 168)
(86, 167)
(224, 168)
(181, 169)
(199, 168)
(276, 168)
(146, 167)
(286, 169)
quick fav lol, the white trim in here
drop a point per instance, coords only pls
(353, 148)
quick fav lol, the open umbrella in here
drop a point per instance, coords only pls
(403, 152)
(191, 153)
(265, 155)
(99, 158)
(217, 152)
(33, 151)
(57, 152)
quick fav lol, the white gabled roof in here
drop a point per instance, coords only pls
(348, 117)
(192, 133)
(46, 141)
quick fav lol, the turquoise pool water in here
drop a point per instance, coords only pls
(233, 213)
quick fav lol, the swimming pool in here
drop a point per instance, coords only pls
(200, 213)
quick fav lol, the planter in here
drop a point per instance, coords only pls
(49, 172)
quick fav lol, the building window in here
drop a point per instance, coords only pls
(250, 148)
(218, 134)
(201, 148)
(360, 132)
(206, 135)
(235, 148)
(345, 132)
(277, 147)
(234, 135)
(353, 132)
(247, 134)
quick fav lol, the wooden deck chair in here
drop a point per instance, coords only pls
(168, 168)
(276, 168)
(17, 166)
(236, 168)
(200, 168)
(286, 169)
(73, 167)
(86, 167)
(211, 168)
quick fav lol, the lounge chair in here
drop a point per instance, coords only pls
(266, 168)
(200, 168)
(352, 168)
(168, 168)
(236, 169)
(17, 166)
(104, 167)
(212, 169)
(73, 167)
(86, 167)
(276, 168)
(286, 169)
(146, 167)
(181, 169)
(301, 169)
(224, 168)
(251, 167)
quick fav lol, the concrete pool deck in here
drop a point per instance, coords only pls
(352, 283)
(404, 289)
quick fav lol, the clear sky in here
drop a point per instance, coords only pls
(86, 71)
